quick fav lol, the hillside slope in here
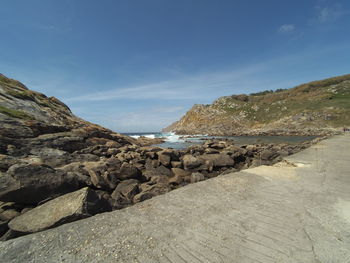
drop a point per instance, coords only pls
(27, 114)
(309, 109)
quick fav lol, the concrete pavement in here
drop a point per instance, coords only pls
(296, 211)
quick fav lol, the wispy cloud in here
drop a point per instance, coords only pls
(166, 109)
(146, 119)
(286, 28)
(53, 28)
(185, 88)
(328, 13)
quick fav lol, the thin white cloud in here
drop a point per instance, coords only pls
(286, 28)
(190, 87)
(329, 13)
(169, 109)
(203, 88)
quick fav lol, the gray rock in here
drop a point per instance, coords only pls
(191, 162)
(100, 177)
(197, 177)
(180, 176)
(143, 196)
(162, 170)
(211, 151)
(10, 234)
(6, 162)
(30, 184)
(128, 171)
(267, 155)
(64, 209)
(219, 160)
(164, 158)
(176, 164)
(126, 190)
(7, 215)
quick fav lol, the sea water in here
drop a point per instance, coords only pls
(175, 141)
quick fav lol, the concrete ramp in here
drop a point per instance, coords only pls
(296, 211)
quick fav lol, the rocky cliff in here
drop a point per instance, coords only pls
(56, 168)
(314, 108)
(26, 114)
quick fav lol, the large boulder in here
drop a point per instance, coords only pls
(128, 171)
(180, 176)
(166, 156)
(6, 162)
(267, 154)
(8, 215)
(191, 162)
(101, 178)
(31, 183)
(197, 177)
(218, 160)
(125, 192)
(66, 141)
(64, 209)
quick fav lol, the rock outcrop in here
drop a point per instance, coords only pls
(315, 108)
(56, 168)
(64, 209)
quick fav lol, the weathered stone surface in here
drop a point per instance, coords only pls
(197, 177)
(219, 160)
(164, 158)
(10, 205)
(175, 164)
(125, 191)
(241, 217)
(267, 154)
(128, 171)
(69, 153)
(61, 210)
(8, 215)
(162, 170)
(143, 196)
(6, 162)
(180, 175)
(191, 162)
(30, 184)
(100, 177)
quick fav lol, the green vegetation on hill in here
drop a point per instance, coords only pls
(324, 103)
(15, 113)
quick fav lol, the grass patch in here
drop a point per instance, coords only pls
(11, 82)
(24, 95)
(15, 113)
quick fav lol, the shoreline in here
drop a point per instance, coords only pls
(117, 177)
(210, 216)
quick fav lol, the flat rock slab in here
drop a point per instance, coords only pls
(295, 213)
(67, 208)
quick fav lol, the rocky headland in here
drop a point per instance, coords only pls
(315, 108)
(56, 168)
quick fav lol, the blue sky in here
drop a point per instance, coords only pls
(139, 65)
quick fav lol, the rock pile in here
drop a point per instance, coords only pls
(56, 168)
(58, 178)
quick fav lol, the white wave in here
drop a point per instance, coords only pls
(171, 137)
(150, 136)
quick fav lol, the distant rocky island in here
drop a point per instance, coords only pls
(315, 108)
(56, 168)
